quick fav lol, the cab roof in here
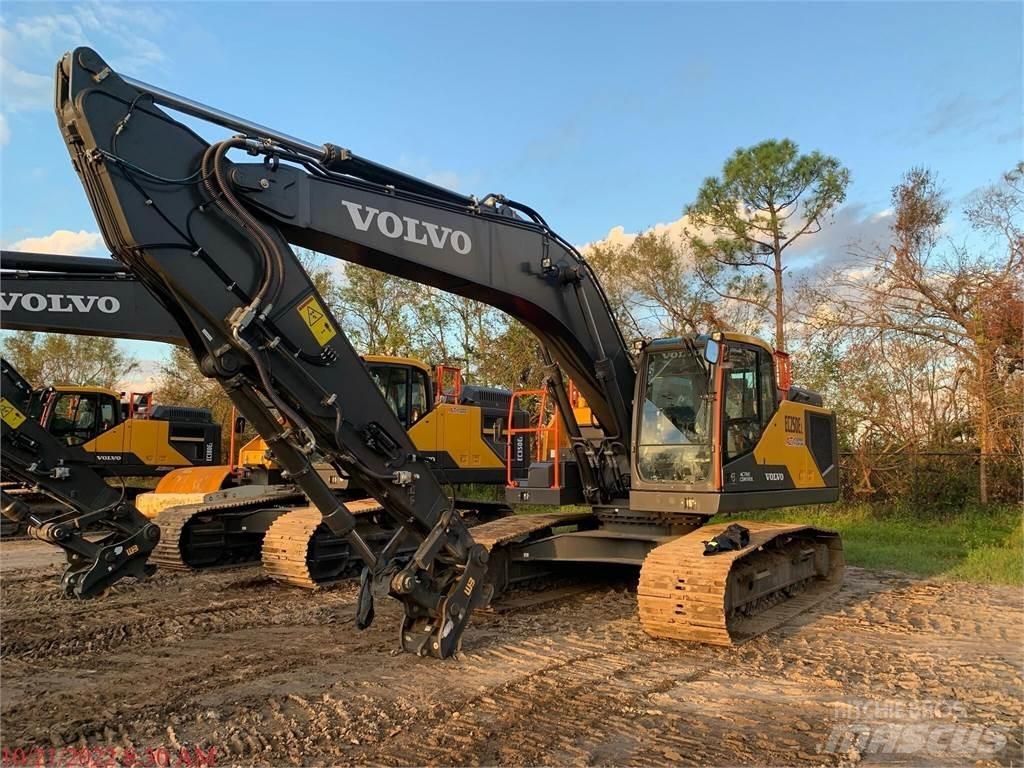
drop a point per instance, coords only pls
(392, 360)
(727, 336)
(87, 390)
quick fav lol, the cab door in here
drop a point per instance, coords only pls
(748, 403)
(111, 444)
(73, 417)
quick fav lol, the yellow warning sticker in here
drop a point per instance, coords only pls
(313, 315)
(11, 415)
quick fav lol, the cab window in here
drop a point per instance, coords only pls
(749, 401)
(418, 400)
(110, 409)
(75, 418)
(674, 438)
(767, 387)
(393, 382)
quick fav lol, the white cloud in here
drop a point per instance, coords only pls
(446, 179)
(24, 90)
(857, 274)
(853, 227)
(5, 130)
(144, 378)
(32, 43)
(62, 241)
(676, 230)
(46, 30)
(422, 167)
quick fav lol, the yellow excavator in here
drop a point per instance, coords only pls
(232, 514)
(117, 437)
(130, 437)
(120, 434)
(690, 427)
(460, 427)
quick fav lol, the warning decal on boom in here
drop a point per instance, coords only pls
(11, 415)
(313, 315)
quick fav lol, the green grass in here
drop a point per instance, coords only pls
(984, 545)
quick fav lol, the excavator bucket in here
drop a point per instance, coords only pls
(730, 597)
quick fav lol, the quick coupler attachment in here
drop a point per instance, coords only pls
(435, 619)
(95, 566)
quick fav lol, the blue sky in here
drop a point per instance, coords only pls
(598, 115)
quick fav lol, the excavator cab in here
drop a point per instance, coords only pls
(133, 438)
(405, 384)
(715, 431)
(78, 416)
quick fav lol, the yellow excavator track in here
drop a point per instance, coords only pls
(508, 529)
(170, 553)
(290, 538)
(286, 545)
(730, 597)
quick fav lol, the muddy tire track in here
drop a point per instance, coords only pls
(269, 676)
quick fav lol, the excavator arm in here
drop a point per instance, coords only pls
(36, 458)
(209, 239)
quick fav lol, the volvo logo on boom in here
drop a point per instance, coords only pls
(407, 228)
(58, 302)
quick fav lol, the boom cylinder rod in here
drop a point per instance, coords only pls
(222, 118)
(345, 162)
(50, 262)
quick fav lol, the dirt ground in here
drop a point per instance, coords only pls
(267, 675)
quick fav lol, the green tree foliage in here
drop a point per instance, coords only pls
(377, 310)
(767, 197)
(512, 359)
(930, 332)
(454, 330)
(50, 358)
(657, 288)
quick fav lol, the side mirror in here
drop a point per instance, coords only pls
(712, 351)
(240, 425)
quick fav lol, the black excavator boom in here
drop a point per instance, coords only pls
(209, 238)
(80, 295)
(254, 321)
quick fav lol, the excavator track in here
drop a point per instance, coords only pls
(177, 540)
(731, 597)
(298, 551)
(513, 527)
